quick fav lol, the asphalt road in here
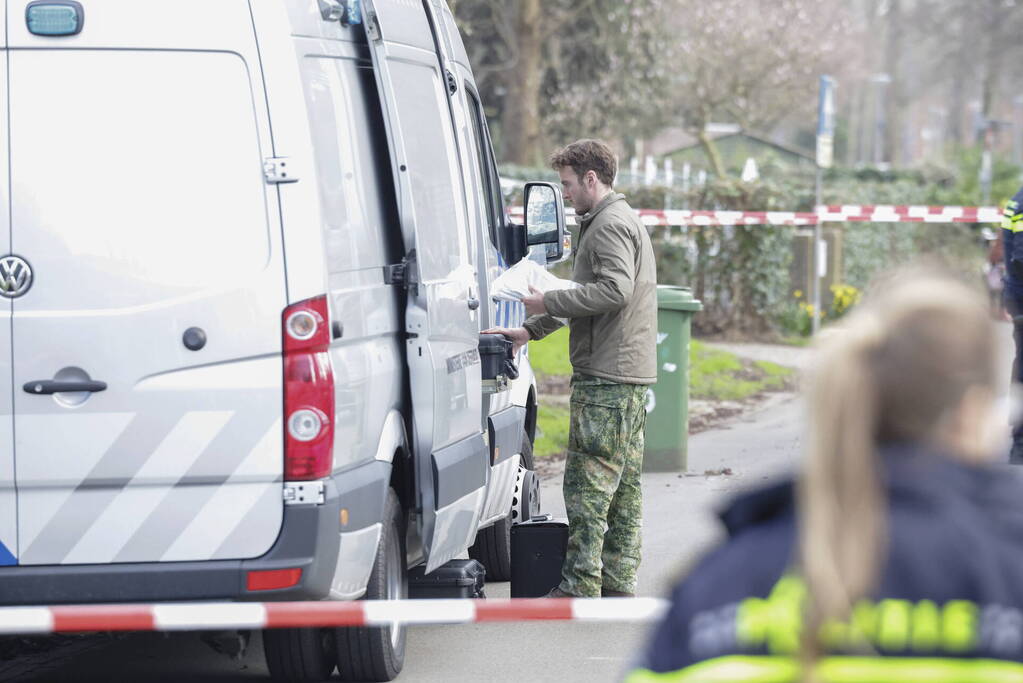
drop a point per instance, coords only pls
(678, 524)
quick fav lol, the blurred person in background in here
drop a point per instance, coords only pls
(898, 553)
(1012, 245)
(994, 272)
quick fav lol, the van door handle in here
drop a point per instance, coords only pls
(50, 386)
(474, 303)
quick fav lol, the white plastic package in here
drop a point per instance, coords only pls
(514, 283)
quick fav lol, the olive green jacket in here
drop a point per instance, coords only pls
(613, 315)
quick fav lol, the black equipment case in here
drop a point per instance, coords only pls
(455, 579)
(496, 357)
(537, 553)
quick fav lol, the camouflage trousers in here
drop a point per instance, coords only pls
(603, 496)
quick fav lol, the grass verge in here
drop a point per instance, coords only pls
(714, 375)
(551, 430)
(549, 356)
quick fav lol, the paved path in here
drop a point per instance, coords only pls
(791, 356)
(801, 357)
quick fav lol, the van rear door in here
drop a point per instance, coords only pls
(147, 355)
(442, 313)
(11, 284)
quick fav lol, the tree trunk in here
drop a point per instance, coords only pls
(712, 152)
(893, 101)
(521, 120)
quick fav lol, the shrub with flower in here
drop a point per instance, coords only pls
(798, 318)
(844, 297)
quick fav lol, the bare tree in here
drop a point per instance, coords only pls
(553, 69)
(577, 67)
(753, 62)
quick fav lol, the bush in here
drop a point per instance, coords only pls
(796, 318)
(742, 274)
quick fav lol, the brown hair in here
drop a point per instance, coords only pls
(587, 155)
(894, 370)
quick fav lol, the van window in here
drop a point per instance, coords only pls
(350, 158)
(142, 167)
(484, 153)
(433, 174)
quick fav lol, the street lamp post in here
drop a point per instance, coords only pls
(880, 121)
(825, 159)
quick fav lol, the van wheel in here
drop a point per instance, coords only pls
(493, 544)
(377, 653)
(300, 655)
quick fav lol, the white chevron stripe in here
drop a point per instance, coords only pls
(43, 452)
(232, 501)
(131, 508)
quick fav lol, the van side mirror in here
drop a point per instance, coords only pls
(545, 220)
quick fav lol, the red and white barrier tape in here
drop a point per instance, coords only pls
(259, 615)
(825, 214)
(680, 218)
(909, 214)
(686, 218)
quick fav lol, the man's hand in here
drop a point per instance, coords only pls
(534, 302)
(518, 335)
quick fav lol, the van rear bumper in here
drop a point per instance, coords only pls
(309, 540)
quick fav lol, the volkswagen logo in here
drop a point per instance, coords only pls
(15, 277)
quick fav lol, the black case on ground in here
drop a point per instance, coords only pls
(455, 579)
(537, 553)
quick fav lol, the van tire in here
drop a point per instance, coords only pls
(493, 544)
(299, 655)
(368, 653)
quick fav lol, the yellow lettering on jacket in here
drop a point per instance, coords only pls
(959, 626)
(776, 623)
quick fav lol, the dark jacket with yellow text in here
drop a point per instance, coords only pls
(949, 605)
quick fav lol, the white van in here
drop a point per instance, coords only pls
(245, 261)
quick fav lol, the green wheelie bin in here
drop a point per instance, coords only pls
(667, 424)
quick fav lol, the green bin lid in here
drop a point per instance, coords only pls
(677, 299)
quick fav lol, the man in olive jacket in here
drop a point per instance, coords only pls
(612, 345)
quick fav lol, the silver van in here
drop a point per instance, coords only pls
(245, 261)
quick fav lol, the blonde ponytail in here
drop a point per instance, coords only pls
(892, 372)
(840, 494)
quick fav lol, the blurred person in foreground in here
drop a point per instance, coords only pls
(612, 344)
(898, 553)
(1012, 246)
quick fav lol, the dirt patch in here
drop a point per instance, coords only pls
(551, 467)
(704, 415)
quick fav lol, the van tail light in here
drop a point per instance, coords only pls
(308, 391)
